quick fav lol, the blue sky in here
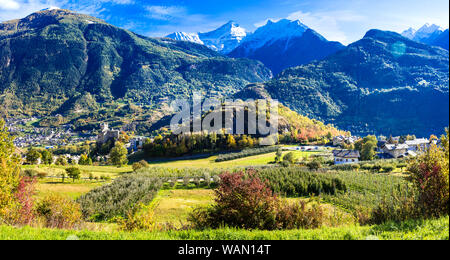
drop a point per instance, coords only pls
(341, 20)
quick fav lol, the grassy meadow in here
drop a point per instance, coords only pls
(410, 230)
(173, 204)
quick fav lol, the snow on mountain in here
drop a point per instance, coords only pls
(189, 37)
(409, 33)
(424, 33)
(224, 39)
(283, 44)
(273, 31)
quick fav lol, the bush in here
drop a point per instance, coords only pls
(140, 165)
(30, 173)
(298, 216)
(243, 200)
(141, 219)
(367, 167)
(21, 211)
(314, 165)
(61, 161)
(289, 158)
(59, 212)
(430, 174)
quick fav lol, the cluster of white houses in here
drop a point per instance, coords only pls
(409, 148)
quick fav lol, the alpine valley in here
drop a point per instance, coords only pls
(72, 68)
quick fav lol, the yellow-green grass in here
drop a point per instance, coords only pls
(410, 230)
(96, 171)
(257, 160)
(174, 206)
(67, 189)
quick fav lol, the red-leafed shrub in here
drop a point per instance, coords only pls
(24, 196)
(430, 173)
(244, 201)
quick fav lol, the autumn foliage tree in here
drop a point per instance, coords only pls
(16, 193)
(9, 171)
(430, 173)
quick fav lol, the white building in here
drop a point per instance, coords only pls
(418, 144)
(341, 140)
(346, 156)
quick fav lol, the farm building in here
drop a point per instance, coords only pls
(345, 156)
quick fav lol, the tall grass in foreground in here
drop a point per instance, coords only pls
(437, 229)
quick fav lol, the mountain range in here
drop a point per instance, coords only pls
(284, 44)
(223, 40)
(279, 45)
(430, 34)
(60, 62)
(53, 56)
(382, 84)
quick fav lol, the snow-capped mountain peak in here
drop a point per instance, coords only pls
(224, 39)
(189, 37)
(423, 33)
(273, 31)
(409, 33)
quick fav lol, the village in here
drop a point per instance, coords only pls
(27, 135)
(341, 148)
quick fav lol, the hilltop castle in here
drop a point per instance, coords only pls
(107, 134)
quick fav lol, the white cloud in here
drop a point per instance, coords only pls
(15, 9)
(9, 5)
(159, 12)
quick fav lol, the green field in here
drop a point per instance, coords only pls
(67, 189)
(173, 205)
(96, 171)
(410, 230)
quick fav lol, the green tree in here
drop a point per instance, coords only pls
(61, 161)
(47, 157)
(366, 147)
(118, 155)
(231, 142)
(9, 171)
(32, 156)
(278, 156)
(289, 158)
(73, 173)
(85, 160)
(368, 151)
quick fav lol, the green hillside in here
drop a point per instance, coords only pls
(53, 56)
(382, 84)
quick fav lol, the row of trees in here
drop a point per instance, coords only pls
(173, 145)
